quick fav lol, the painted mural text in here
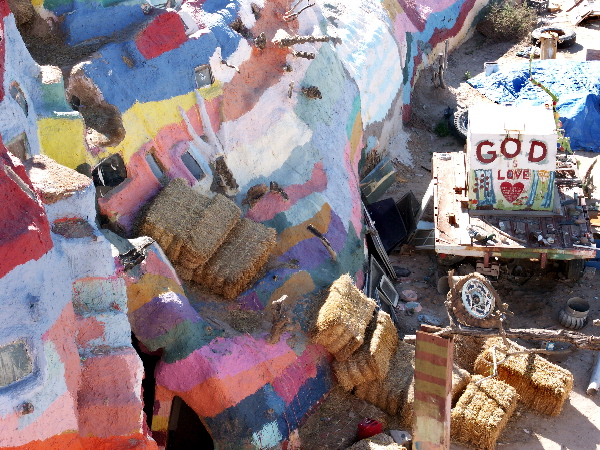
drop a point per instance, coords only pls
(515, 174)
(510, 148)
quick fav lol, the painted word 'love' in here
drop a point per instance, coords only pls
(514, 174)
(510, 148)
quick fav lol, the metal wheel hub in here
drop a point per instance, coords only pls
(477, 299)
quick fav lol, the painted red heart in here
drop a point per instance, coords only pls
(511, 191)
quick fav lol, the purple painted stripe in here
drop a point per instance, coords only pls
(161, 314)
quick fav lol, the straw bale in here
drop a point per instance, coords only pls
(460, 380)
(482, 412)
(380, 441)
(391, 393)
(186, 223)
(542, 385)
(245, 251)
(343, 318)
(466, 350)
(372, 360)
(183, 272)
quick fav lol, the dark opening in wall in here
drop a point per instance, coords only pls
(19, 147)
(156, 167)
(110, 173)
(149, 382)
(75, 103)
(192, 165)
(17, 94)
(186, 430)
(203, 76)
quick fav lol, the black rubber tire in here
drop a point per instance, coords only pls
(460, 124)
(575, 269)
(566, 36)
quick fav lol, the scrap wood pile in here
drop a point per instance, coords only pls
(205, 239)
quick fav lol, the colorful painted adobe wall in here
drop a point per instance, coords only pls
(246, 123)
(69, 377)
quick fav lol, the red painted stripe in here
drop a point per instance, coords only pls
(431, 399)
(435, 359)
(436, 340)
(429, 378)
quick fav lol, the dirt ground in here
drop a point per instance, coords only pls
(535, 299)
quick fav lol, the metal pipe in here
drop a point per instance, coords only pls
(595, 378)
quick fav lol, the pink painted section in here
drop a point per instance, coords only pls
(108, 398)
(223, 357)
(164, 33)
(155, 265)
(89, 329)
(272, 203)
(59, 417)
(294, 376)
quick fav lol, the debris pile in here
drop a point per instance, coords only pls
(377, 442)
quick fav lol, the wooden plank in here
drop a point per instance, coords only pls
(433, 391)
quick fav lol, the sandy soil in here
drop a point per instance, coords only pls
(537, 299)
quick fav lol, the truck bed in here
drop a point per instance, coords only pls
(516, 232)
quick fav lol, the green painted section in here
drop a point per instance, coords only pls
(181, 340)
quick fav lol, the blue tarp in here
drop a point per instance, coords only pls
(576, 83)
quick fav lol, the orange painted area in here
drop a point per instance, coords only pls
(62, 334)
(263, 69)
(147, 288)
(298, 285)
(89, 329)
(72, 441)
(292, 235)
(215, 395)
(356, 138)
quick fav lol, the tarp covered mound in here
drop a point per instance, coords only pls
(576, 83)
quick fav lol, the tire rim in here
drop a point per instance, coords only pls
(477, 299)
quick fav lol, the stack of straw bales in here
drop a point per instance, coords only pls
(380, 441)
(482, 412)
(393, 391)
(238, 259)
(205, 239)
(343, 318)
(542, 386)
(372, 360)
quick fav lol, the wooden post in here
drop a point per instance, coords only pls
(433, 389)
(548, 45)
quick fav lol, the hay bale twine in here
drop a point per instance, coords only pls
(342, 320)
(482, 412)
(542, 385)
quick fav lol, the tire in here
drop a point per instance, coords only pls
(566, 36)
(575, 269)
(461, 124)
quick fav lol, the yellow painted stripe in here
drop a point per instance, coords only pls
(422, 408)
(431, 388)
(432, 348)
(159, 423)
(430, 369)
